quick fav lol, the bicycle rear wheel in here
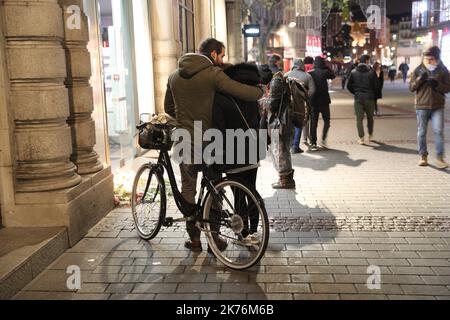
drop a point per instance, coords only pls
(148, 201)
(235, 214)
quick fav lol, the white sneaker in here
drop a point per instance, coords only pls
(371, 138)
(361, 141)
(254, 239)
(324, 144)
(251, 240)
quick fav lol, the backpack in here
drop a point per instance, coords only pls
(300, 105)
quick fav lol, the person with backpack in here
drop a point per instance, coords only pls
(321, 101)
(404, 69)
(280, 128)
(298, 74)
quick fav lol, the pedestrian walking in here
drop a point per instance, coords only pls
(276, 63)
(392, 73)
(298, 73)
(431, 82)
(321, 101)
(189, 98)
(380, 85)
(404, 69)
(363, 84)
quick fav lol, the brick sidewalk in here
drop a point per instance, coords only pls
(354, 207)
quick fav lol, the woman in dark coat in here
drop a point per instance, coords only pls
(380, 78)
(234, 114)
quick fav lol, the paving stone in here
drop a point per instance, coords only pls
(341, 247)
(108, 269)
(321, 254)
(121, 296)
(177, 296)
(347, 262)
(239, 288)
(308, 261)
(120, 288)
(313, 278)
(93, 288)
(104, 278)
(426, 290)
(85, 261)
(388, 262)
(283, 254)
(436, 280)
(142, 278)
(117, 262)
(385, 289)
(410, 297)
(327, 269)
(288, 288)
(316, 297)
(412, 270)
(398, 254)
(332, 288)
(364, 270)
(164, 269)
(359, 254)
(268, 278)
(434, 254)
(415, 247)
(442, 271)
(224, 296)
(155, 288)
(50, 280)
(378, 247)
(285, 269)
(198, 287)
(430, 262)
(132, 269)
(363, 297)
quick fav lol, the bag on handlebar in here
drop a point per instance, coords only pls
(156, 135)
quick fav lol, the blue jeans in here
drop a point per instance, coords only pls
(437, 121)
(297, 137)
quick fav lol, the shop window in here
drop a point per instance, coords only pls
(445, 11)
(186, 25)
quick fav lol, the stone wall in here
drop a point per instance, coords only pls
(48, 69)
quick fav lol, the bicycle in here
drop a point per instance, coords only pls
(228, 209)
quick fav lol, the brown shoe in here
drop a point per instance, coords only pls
(194, 245)
(423, 161)
(220, 243)
(286, 182)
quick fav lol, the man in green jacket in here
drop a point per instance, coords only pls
(431, 82)
(189, 98)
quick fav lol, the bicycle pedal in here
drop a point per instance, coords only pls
(168, 222)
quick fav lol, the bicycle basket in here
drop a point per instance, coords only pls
(156, 137)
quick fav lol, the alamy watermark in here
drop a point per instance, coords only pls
(374, 280)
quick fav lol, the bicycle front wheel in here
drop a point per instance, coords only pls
(148, 201)
(237, 225)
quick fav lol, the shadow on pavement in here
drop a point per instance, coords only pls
(329, 158)
(392, 149)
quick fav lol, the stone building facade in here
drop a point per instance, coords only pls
(54, 160)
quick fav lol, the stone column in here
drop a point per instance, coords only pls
(38, 97)
(235, 38)
(81, 103)
(164, 46)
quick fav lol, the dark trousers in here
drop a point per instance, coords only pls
(326, 116)
(366, 107)
(249, 213)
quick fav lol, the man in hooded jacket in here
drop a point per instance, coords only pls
(320, 101)
(190, 98)
(363, 84)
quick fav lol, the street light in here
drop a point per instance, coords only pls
(293, 24)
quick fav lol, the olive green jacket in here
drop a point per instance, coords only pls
(428, 97)
(192, 88)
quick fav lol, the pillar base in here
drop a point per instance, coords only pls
(79, 208)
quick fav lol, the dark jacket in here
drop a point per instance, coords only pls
(380, 85)
(321, 74)
(430, 87)
(235, 114)
(192, 88)
(363, 83)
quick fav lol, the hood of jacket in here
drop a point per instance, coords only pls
(191, 64)
(245, 73)
(364, 68)
(299, 65)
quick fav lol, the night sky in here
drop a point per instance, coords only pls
(398, 6)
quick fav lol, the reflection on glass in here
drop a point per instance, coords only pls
(118, 79)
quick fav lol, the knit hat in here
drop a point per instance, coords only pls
(434, 52)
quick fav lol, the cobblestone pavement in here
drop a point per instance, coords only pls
(354, 207)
